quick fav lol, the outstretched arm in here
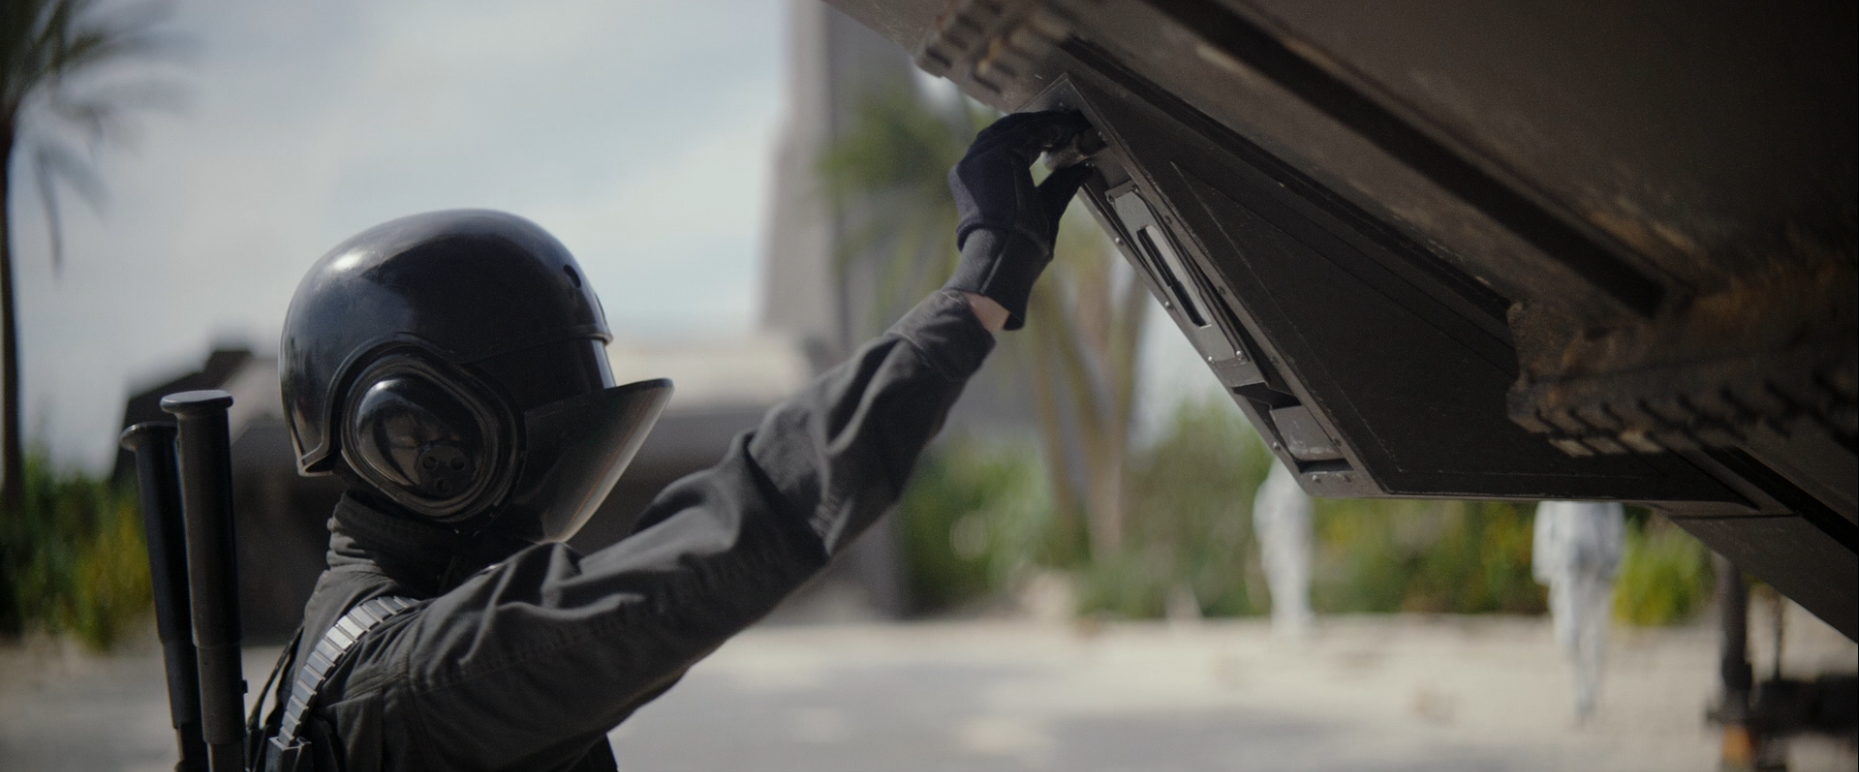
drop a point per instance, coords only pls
(551, 644)
(526, 664)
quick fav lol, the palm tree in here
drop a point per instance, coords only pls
(887, 180)
(1084, 324)
(49, 49)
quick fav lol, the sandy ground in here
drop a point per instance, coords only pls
(1366, 693)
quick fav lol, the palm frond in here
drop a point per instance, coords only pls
(886, 177)
(52, 54)
(51, 164)
(46, 42)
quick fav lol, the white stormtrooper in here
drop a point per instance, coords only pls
(1577, 551)
(1281, 516)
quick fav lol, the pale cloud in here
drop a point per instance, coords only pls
(637, 132)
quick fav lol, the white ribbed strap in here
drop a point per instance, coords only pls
(342, 635)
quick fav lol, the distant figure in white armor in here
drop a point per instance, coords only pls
(1577, 552)
(1281, 517)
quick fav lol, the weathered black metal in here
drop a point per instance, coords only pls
(1586, 254)
(166, 535)
(212, 569)
(1347, 345)
(1488, 248)
(1757, 714)
(1735, 677)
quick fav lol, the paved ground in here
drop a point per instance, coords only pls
(1367, 693)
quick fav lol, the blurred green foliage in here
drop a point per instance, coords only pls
(1190, 522)
(978, 515)
(1462, 557)
(73, 561)
(897, 142)
(886, 178)
(977, 518)
(1665, 575)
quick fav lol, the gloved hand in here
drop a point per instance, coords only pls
(1008, 224)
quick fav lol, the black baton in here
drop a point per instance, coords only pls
(159, 481)
(212, 569)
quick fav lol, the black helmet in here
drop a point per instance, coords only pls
(455, 363)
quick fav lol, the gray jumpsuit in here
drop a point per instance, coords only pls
(527, 663)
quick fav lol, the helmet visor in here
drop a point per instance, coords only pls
(575, 450)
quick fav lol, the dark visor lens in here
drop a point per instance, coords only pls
(575, 450)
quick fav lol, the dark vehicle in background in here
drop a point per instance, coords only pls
(1489, 250)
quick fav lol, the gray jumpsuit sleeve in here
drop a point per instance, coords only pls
(526, 663)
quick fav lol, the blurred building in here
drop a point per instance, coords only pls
(817, 285)
(833, 63)
(820, 288)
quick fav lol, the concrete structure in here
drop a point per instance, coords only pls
(833, 62)
(820, 288)
(1381, 693)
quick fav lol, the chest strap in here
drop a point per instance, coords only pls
(342, 635)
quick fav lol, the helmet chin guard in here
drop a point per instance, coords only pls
(575, 450)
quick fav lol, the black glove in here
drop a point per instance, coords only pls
(1008, 224)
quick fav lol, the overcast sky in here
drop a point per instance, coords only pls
(639, 133)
